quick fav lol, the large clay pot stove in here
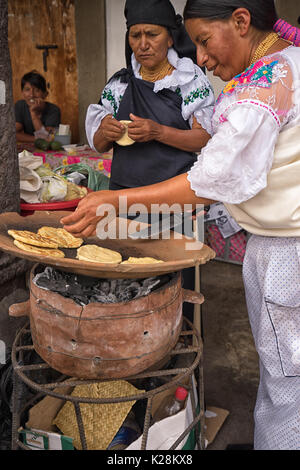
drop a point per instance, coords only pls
(101, 340)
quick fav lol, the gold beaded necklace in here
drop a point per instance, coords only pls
(263, 47)
(164, 69)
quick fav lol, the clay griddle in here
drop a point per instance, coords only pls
(173, 251)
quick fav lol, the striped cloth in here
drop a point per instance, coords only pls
(286, 31)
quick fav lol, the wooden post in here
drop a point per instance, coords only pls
(9, 168)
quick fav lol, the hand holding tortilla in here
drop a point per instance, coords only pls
(125, 139)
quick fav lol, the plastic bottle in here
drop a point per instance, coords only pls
(170, 405)
(128, 432)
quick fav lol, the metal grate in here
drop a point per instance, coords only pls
(191, 352)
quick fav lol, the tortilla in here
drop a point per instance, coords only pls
(60, 236)
(39, 251)
(31, 238)
(146, 260)
(97, 254)
(125, 139)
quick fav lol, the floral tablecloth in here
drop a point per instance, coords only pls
(54, 159)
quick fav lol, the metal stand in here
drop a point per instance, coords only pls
(192, 349)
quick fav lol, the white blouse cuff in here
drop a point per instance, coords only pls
(94, 116)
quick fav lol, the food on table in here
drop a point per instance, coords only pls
(97, 254)
(42, 144)
(56, 188)
(31, 238)
(75, 192)
(60, 236)
(53, 252)
(55, 145)
(146, 260)
(125, 139)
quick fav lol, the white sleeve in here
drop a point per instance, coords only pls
(234, 165)
(94, 116)
(110, 99)
(198, 100)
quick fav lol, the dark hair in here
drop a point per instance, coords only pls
(35, 79)
(263, 12)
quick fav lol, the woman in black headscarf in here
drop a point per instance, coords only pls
(166, 96)
(162, 91)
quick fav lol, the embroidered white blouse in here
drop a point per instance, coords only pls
(249, 114)
(187, 80)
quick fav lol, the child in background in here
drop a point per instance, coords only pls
(35, 117)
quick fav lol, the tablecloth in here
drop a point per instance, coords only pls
(54, 159)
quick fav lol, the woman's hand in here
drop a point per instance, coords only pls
(111, 129)
(143, 130)
(83, 221)
(36, 106)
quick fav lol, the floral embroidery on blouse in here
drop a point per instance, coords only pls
(259, 74)
(107, 94)
(178, 92)
(202, 93)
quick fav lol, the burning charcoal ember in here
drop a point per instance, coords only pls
(84, 290)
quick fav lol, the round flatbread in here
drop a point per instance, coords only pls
(125, 139)
(97, 254)
(60, 236)
(31, 238)
(146, 260)
(54, 253)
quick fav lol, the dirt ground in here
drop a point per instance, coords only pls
(230, 360)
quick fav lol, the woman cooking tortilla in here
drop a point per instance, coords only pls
(251, 164)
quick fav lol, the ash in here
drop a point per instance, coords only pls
(84, 290)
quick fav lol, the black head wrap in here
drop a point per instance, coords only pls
(160, 12)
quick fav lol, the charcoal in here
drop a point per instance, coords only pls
(84, 290)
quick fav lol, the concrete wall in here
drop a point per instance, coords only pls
(289, 10)
(91, 55)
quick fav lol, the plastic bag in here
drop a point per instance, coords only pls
(96, 180)
(54, 189)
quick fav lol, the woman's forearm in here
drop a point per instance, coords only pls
(36, 121)
(101, 144)
(21, 136)
(91, 209)
(176, 190)
(188, 140)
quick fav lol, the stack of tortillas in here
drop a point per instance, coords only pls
(46, 242)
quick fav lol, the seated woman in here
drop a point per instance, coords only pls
(35, 117)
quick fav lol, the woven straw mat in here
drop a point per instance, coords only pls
(102, 421)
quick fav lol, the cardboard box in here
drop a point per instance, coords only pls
(36, 439)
